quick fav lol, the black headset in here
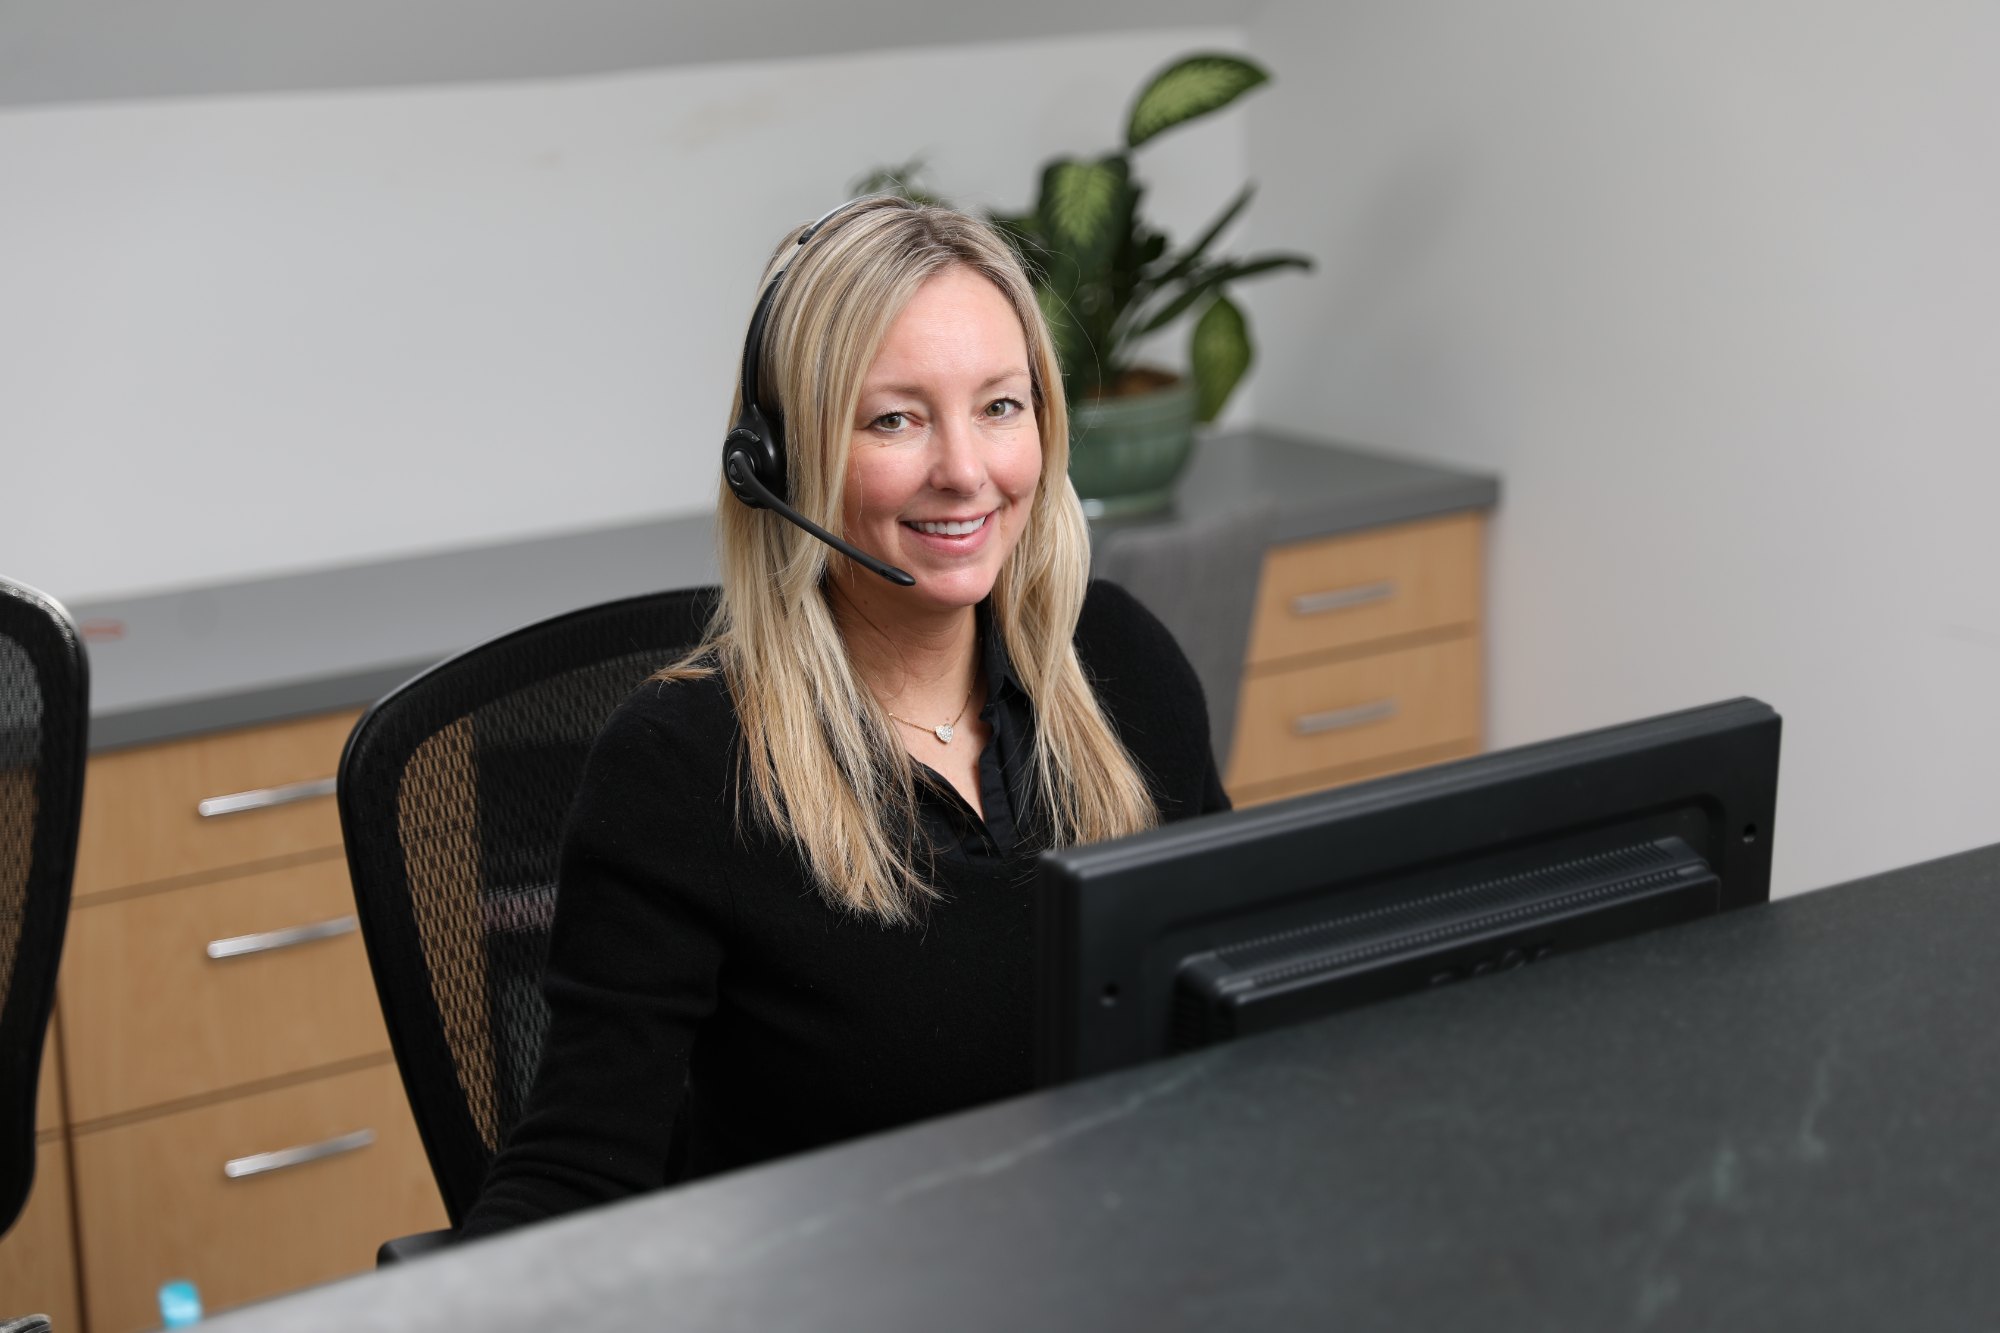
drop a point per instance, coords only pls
(753, 453)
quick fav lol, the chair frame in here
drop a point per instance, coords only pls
(55, 649)
(381, 745)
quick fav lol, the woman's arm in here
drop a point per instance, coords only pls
(633, 957)
(1153, 698)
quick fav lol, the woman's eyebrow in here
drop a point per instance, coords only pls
(917, 390)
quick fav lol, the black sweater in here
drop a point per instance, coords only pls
(694, 971)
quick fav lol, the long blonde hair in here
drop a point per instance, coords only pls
(821, 760)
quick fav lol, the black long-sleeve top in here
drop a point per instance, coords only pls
(694, 970)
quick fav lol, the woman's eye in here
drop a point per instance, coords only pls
(890, 421)
(1003, 407)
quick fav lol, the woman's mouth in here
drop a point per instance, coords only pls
(950, 527)
(951, 536)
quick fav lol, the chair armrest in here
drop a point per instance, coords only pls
(405, 1248)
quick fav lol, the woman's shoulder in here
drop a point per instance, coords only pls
(686, 708)
(1115, 627)
(1129, 654)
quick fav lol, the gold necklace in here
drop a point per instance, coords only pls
(945, 731)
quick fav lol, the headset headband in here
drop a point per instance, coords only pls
(749, 386)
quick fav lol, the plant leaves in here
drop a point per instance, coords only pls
(1188, 89)
(1075, 355)
(1208, 280)
(1079, 207)
(1219, 353)
(1184, 263)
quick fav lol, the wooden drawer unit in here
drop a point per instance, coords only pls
(1359, 711)
(205, 1194)
(37, 1261)
(48, 1088)
(1365, 657)
(1351, 591)
(268, 793)
(267, 977)
(216, 1004)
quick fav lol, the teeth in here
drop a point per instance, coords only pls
(952, 529)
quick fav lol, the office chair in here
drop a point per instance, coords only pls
(452, 791)
(44, 721)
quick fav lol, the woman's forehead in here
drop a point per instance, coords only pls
(958, 325)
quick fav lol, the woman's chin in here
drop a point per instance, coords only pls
(950, 589)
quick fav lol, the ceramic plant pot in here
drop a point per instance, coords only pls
(1127, 452)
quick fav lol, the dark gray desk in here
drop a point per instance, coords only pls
(1784, 1118)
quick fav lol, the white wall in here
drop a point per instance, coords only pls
(1716, 289)
(245, 335)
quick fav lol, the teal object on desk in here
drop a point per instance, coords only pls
(180, 1304)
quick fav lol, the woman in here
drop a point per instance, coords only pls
(796, 885)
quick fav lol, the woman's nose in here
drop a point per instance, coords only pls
(957, 465)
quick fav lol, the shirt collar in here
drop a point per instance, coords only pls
(1000, 675)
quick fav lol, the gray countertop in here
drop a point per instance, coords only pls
(1781, 1118)
(180, 663)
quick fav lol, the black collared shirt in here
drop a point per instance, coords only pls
(1006, 767)
(700, 981)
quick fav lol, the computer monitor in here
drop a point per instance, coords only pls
(1237, 923)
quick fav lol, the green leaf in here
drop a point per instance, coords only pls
(1208, 280)
(1080, 203)
(1218, 355)
(1074, 353)
(1188, 89)
(1184, 263)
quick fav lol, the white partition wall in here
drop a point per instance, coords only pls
(1714, 287)
(247, 334)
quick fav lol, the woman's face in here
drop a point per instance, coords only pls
(946, 453)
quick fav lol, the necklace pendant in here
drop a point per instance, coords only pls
(944, 734)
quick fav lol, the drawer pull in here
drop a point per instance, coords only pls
(1343, 719)
(237, 945)
(1343, 599)
(263, 798)
(256, 1164)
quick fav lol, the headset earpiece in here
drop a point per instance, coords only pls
(753, 453)
(751, 446)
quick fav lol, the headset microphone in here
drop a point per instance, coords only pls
(742, 477)
(753, 453)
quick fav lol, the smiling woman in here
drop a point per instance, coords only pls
(794, 903)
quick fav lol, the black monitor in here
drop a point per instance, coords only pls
(1237, 923)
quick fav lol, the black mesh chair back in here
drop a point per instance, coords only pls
(453, 791)
(44, 726)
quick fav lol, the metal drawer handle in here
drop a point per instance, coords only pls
(237, 945)
(256, 1164)
(263, 798)
(1342, 599)
(1343, 719)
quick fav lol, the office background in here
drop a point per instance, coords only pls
(1711, 287)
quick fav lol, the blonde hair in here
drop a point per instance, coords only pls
(821, 760)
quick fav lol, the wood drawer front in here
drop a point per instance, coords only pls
(37, 1257)
(150, 1017)
(1293, 723)
(1317, 597)
(140, 822)
(48, 1091)
(156, 1204)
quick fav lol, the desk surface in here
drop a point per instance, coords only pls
(1781, 1118)
(179, 663)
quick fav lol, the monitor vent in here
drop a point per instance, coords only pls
(1466, 910)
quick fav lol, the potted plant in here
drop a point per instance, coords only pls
(1107, 279)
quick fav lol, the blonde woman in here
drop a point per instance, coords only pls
(796, 889)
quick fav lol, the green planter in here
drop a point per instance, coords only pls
(1126, 453)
